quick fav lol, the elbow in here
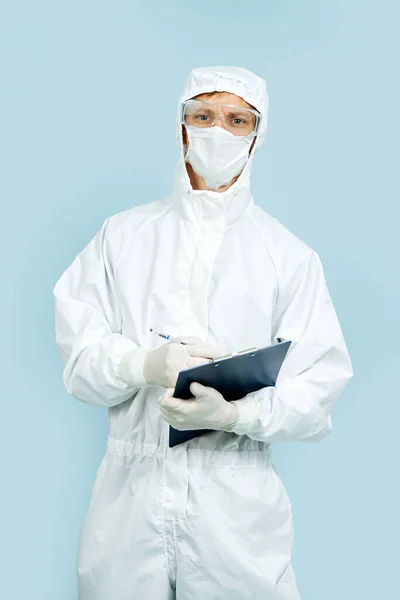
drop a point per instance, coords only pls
(76, 388)
(79, 388)
(79, 385)
(321, 431)
(105, 396)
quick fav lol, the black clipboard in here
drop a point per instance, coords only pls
(233, 376)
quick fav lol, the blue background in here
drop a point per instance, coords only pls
(88, 93)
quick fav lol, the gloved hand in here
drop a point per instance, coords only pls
(207, 410)
(162, 366)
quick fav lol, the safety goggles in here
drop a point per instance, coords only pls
(235, 119)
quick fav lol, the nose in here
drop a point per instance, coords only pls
(219, 122)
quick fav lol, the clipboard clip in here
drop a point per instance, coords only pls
(234, 354)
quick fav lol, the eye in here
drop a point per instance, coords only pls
(202, 117)
(238, 121)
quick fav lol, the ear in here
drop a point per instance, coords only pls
(184, 137)
(252, 145)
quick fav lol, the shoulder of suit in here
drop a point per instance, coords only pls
(121, 231)
(277, 237)
(136, 218)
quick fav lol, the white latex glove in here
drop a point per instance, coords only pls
(207, 410)
(162, 366)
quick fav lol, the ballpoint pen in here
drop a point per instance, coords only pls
(167, 337)
(172, 339)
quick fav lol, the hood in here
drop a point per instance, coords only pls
(201, 204)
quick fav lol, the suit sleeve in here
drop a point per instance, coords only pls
(100, 365)
(315, 371)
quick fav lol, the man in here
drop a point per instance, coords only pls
(208, 519)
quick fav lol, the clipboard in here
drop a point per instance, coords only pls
(234, 376)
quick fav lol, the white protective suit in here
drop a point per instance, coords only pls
(209, 519)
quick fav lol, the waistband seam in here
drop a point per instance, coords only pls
(194, 455)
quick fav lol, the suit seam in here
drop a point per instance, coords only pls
(270, 256)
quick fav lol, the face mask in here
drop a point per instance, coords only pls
(217, 155)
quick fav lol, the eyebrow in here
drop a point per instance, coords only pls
(202, 111)
(234, 111)
(240, 113)
(230, 112)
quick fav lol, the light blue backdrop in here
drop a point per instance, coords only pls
(76, 80)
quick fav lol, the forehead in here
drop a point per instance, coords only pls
(224, 98)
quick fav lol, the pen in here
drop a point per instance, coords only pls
(167, 337)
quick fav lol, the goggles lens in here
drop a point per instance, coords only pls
(235, 119)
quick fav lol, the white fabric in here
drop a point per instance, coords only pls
(216, 154)
(211, 516)
(208, 409)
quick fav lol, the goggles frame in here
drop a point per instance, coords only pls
(252, 110)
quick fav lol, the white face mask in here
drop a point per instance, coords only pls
(217, 155)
